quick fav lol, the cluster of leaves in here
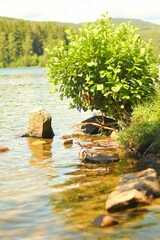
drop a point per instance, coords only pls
(22, 43)
(145, 125)
(104, 67)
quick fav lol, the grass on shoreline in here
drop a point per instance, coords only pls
(145, 125)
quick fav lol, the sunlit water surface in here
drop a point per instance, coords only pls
(46, 192)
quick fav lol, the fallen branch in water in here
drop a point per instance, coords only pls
(95, 124)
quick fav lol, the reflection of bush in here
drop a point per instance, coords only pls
(83, 197)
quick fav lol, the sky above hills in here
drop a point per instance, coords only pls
(78, 11)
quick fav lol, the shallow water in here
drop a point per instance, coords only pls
(46, 192)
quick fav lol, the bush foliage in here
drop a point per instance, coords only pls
(104, 67)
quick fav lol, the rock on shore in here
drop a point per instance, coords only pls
(40, 124)
(134, 189)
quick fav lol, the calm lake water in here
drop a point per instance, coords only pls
(46, 192)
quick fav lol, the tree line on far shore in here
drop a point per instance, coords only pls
(23, 43)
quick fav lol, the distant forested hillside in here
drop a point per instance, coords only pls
(23, 43)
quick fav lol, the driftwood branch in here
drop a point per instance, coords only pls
(95, 124)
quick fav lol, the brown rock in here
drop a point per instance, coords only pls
(4, 149)
(134, 189)
(105, 221)
(40, 124)
(68, 142)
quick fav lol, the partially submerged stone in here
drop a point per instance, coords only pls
(105, 221)
(102, 159)
(134, 189)
(4, 149)
(40, 124)
(68, 142)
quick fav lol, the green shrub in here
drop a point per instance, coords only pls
(145, 125)
(104, 67)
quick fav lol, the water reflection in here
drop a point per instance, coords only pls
(41, 151)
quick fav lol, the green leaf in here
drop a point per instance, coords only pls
(54, 89)
(80, 74)
(138, 96)
(102, 74)
(87, 78)
(139, 82)
(107, 93)
(126, 97)
(90, 64)
(142, 52)
(100, 87)
(90, 82)
(117, 88)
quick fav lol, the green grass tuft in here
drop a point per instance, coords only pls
(145, 125)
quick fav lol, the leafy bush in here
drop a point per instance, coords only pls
(145, 125)
(104, 67)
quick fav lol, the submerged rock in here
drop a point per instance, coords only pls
(102, 159)
(4, 149)
(68, 142)
(105, 221)
(134, 189)
(40, 124)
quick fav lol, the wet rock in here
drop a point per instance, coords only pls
(4, 149)
(105, 221)
(102, 159)
(134, 189)
(68, 142)
(40, 124)
(92, 129)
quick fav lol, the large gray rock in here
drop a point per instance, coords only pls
(40, 124)
(134, 189)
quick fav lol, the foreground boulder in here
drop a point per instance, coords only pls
(40, 124)
(134, 189)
